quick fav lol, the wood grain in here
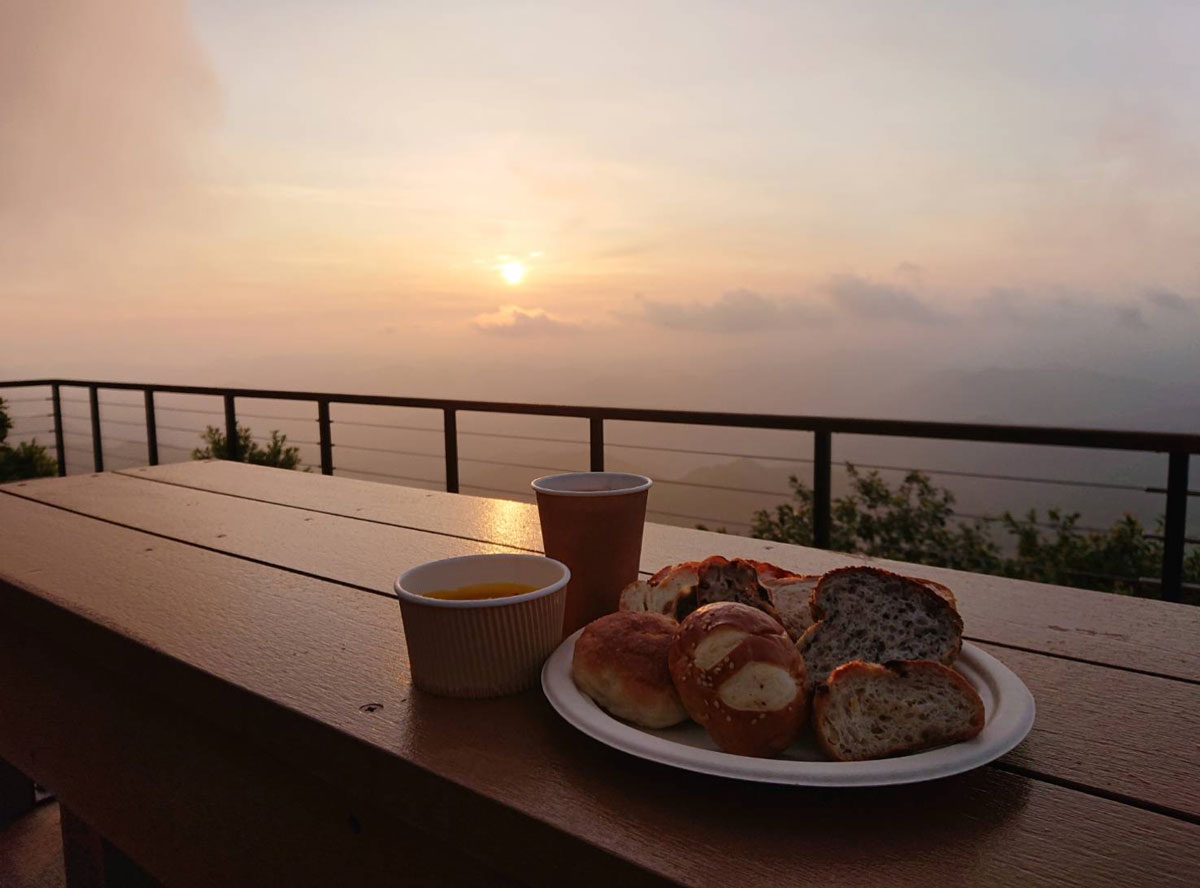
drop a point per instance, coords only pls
(1115, 630)
(280, 665)
(1114, 731)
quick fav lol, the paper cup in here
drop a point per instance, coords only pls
(487, 647)
(592, 522)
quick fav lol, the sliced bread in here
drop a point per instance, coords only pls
(865, 613)
(792, 595)
(870, 711)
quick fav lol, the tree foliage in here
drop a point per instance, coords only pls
(276, 453)
(28, 459)
(914, 521)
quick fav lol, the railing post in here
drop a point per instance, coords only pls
(151, 429)
(596, 427)
(326, 437)
(822, 462)
(56, 399)
(1175, 527)
(450, 427)
(232, 444)
(97, 446)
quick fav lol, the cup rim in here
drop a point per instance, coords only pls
(411, 597)
(638, 483)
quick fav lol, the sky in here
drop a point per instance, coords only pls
(799, 207)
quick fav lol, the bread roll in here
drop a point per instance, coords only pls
(869, 711)
(620, 662)
(740, 676)
(873, 615)
(679, 589)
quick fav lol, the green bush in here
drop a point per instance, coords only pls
(276, 453)
(915, 522)
(29, 459)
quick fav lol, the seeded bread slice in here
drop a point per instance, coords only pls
(869, 711)
(874, 615)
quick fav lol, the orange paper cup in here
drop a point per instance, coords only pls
(592, 522)
(487, 647)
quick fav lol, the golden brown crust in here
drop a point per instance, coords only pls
(770, 719)
(768, 571)
(620, 661)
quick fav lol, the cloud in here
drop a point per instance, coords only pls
(877, 301)
(1131, 316)
(738, 311)
(1168, 299)
(911, 273)
(513, 320)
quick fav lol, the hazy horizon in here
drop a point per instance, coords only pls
(936, 212)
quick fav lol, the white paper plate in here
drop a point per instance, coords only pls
(1007, 702)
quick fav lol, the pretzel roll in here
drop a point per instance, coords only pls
(740, 676)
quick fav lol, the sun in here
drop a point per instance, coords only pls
(513, 272)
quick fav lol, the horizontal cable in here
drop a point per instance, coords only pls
(967, 516)
(216, 411)
(496, 462)
(27, 434)
(768, 456)
(672, 481)
(1068, 482)
(126, 422)
(240, 414)
(381, 425)
(168, 428)
(288, 441)
(407, 428)
(1164, 490)
(386, 475)
(1158, 536)
(21, 400)
(393, 452)
(18, 416)
(699, 518)
(377, 449)
(525, 437)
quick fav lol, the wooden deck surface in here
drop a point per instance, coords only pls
(187, 651)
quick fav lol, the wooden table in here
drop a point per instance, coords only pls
(206, 663)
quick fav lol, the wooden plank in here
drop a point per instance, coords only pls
(284, 664)
(367, 555)
(1115, 732)
(1115, 630)
(1110, 730)
(195, 804)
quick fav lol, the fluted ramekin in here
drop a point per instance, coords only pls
(486, 647)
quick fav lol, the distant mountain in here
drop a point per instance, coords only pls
(1051, 395)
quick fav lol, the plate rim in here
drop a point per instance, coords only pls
(1008, 724)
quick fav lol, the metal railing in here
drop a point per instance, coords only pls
(1178, 447)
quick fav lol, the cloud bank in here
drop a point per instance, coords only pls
(513, 320)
